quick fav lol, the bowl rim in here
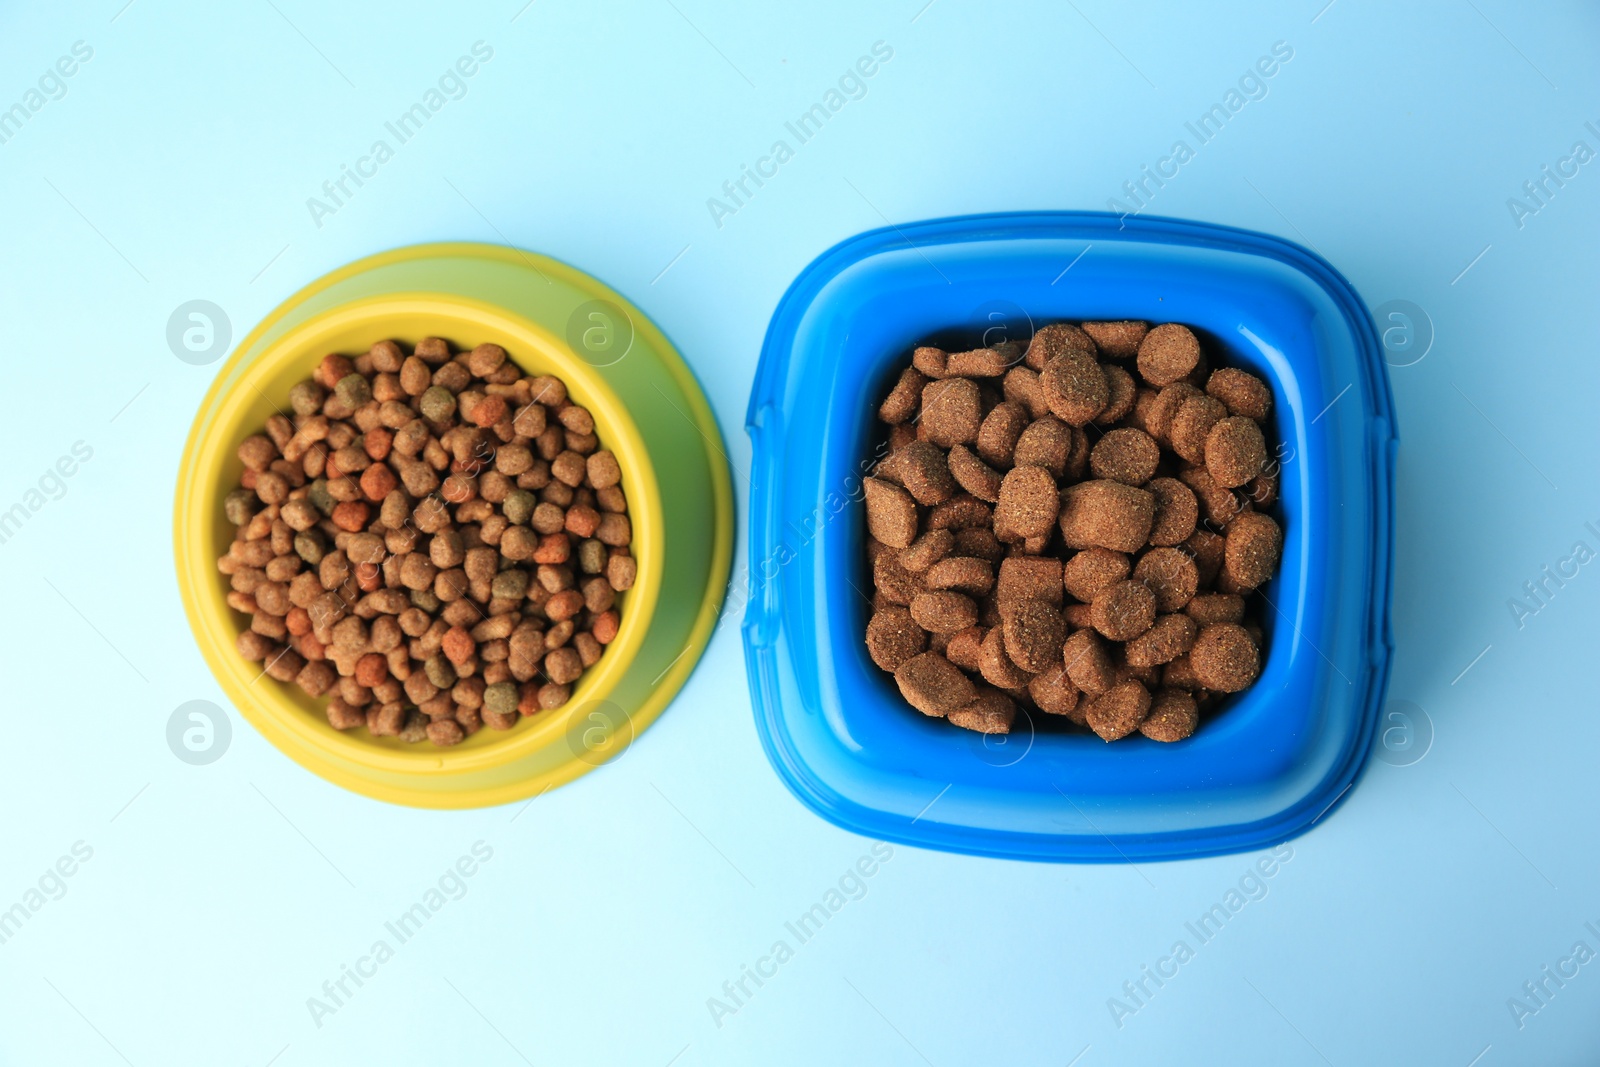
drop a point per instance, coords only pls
(763, 626)
(275, 711)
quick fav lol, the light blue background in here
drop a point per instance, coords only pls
(219, 898)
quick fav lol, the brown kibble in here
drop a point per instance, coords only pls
(1055, 694)
(1235, 451)
(962, 648)
(991, 712)
(893, 582)
(342, 716)
(1106, 514)
(1034, 631)
(891, 513)
(920, 468)
(973, 474)
(1218, 504)
(999, 432)
(951, 412)
(1252, 547)
(1177, 511)
(930, 361)
(1090, 572)
(1123, 610)
(1047, 443)
(1124, 394)
(1170, 637)
(1168, 353)
(1173, 716)
(933, 685)
(603, 469)
(1208, 551)
(978, 363)
(943, 612)
(1125, 455)
(445, 732)
(1172, 575)
(1074, 387)
(1225, 658)
(1241, 392)
(1021, 386)
(905, 398)
(961, 512)
(964, 574)
(1159, 413)
(996, 666)
(1118, 711)
(1118, 340)
(1057, 339)
(1028, 504)
(1024, 578)
(894, 637)
(1191, 425)
(1088, 664)
(1209, 608)
(926, 550)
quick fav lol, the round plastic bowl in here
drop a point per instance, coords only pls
(647, 408)
(1264, 768)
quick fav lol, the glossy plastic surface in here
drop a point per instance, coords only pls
(1263, 768)
(648, 409)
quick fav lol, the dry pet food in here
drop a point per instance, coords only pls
(1076, 527)
(437, 542)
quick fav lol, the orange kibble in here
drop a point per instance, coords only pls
(458, 645)
(372, 669)
(377, 482)
(378, 441)
(489, 411)
(605, 626)
(351, 515)
(298, 621)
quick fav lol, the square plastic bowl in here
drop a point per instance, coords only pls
(1262, 769)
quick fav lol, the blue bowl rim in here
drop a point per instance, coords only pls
(761, 620)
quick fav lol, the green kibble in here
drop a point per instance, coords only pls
(439, 671)
(310, 545)
(501, 697)
(321, 499)
(437, 404)
(426, 600)
(518, 506)
(239, 506)
(353, 391)
(592, 555)
(509, 585)
(306, 398)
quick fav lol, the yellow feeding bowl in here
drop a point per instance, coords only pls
(647, 408)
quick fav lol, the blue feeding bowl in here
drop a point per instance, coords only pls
(1264, 766)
